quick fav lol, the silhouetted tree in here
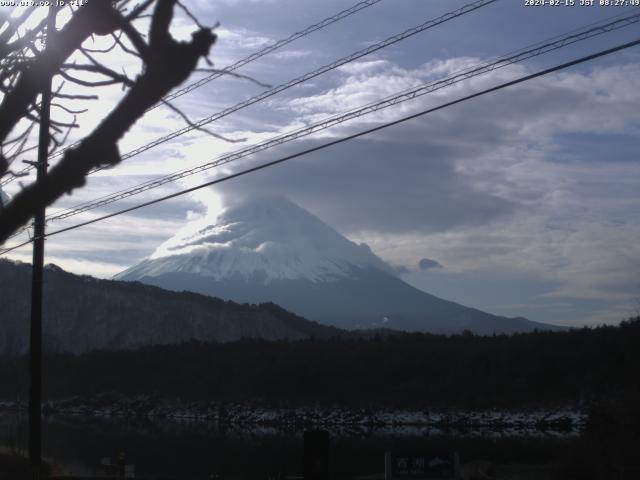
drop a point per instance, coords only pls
(26, 62)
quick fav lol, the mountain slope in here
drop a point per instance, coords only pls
(269, 237)
(269, 249)
(83, 313)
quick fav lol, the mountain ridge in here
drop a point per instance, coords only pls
(308, 268)
(270, 235)
(83, 313)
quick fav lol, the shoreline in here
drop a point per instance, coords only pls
(564, 421)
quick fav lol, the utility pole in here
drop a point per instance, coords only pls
(35, 341)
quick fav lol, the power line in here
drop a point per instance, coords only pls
(524, 53)
(518, 56)
(360, 53)
(240, 63)
(310, 75)
(271, 48)
(354, 56)
(343, 139)
(341, 118)
(248, 59)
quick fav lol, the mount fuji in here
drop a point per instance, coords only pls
(270, 250)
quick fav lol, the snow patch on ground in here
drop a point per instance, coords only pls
(534, 422)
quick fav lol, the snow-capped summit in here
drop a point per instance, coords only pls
(270, 250)
(266, 237)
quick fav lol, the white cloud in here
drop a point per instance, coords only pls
(292, 54)
(239, 38)
(577, 217)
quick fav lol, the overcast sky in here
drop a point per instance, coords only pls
(523, 202)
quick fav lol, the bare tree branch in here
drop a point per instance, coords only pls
(68, 110)
(87, 83)
(235, 75)
(95, 17)
(201, 129)
(98, 68)
(76, 97)
(138, 10)
(168, 63)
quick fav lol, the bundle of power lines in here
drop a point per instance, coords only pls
(554, 44)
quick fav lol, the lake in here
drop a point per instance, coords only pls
(193, 450)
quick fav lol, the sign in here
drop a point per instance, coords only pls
(398, 466)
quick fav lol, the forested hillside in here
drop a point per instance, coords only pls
(412, 370)
(84, 313)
